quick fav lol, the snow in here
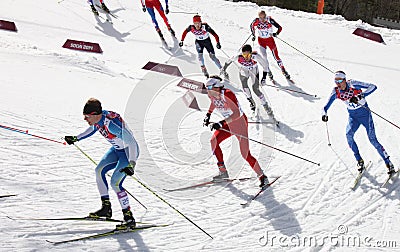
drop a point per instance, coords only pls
(44, 87)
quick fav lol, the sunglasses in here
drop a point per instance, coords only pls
(90, 115)
(209, 87)
(339, 81)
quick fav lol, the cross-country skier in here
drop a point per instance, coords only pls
(235, 121)
(349, 91)
(264, 25)
(202, 32)
(248, 63)
(121, 156)
(149, 6)
(103, 6)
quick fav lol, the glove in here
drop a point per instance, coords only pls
(144, 8)
(70, 139)
(253, 38)
(166, 10)
(218, 45)
(274, 34)
(130, 169)
(206, 120)
(217, 126)
(324, 118)
(181, 44)
(354, 99)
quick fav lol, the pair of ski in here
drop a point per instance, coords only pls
(105, 12)
(357, 181)
(117, 230)
(213, 182)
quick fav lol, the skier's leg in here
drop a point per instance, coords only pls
(368, 123)
(118, 178)
(218, 137)
(160, 10)
(272, 46)
(153, 17)
(210, 49)
(240, 127)
(107, 163)
(351, 128)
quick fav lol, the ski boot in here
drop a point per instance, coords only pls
(104, 211)
(171, 31)
(204, 70)
(263, 181)
(223, 173)
(285, 73)
(391, 170)
(104, 7)
(94, 10)
(223, 73)
(360, 165)
(129, 221)
(268, 110)
(252, 105)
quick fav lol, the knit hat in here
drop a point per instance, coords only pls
(92, 107)
(196, 19)
(340, 74)
(214, 81)
(247, 48)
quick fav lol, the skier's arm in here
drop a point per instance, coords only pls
(87, 133)
(210, 30)
(274, 23)
(185, 32)
(332, 98)
(252, 25)
(211, 108)
(370, 88)
(229, 62)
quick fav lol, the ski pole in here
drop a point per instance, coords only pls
(288, 89)
(327, 133)
(155, 194)
(380, 116)
(304, 54)
(268, 146)
(26, 133)
(94, 162)
(184, 12)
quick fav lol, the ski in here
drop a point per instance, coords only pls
(6, 196)
(69, 219)
(359, 176)
(247, 203)
(108, 233)
(208, 183)
(393, 177)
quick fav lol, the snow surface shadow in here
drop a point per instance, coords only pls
(108, 29)
(278, 214)
(290, 134)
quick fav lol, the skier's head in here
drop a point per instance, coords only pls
(262, 15)
(340, 80)
(246, 51)
(92, 111)
(197, 20)
(214, 84)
